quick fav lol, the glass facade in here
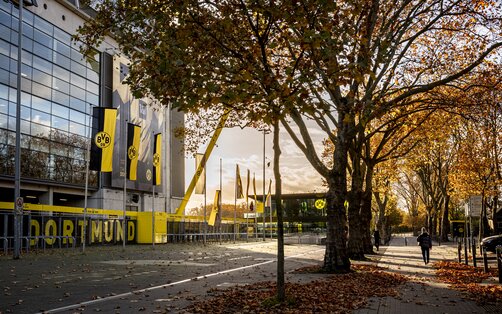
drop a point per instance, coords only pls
(59, 85)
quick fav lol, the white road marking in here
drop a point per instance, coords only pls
(127, 294)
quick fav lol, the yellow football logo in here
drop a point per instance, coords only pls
(132, 153)
(102, 139)
(320, 203)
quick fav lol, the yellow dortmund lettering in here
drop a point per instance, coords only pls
(131, 230)
(81, 227)
(35, 232)
(119, 229)
(50, 230)
(108, 229)
(96, 227)
(68, 231)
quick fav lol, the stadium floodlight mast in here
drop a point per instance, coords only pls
(18, 201)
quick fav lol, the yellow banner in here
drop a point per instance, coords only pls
(216, 206)
(133, 137)
(157, 159)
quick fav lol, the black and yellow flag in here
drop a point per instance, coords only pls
(215, 217)
(103, 136)
(157, 158)
(133, 136)
(239, 191)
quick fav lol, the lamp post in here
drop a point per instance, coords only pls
(18, 201)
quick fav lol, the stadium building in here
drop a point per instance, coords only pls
(59, 90)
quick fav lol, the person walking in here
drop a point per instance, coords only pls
(376, 236)
(425, 242)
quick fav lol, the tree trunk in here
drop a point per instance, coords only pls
(281, 288)
(366, 213)
(355, 244)
(445, 221)
(336, 258)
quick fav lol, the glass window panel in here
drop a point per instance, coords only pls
(25, 141)
(13, 65)
(40, 104)
(25, 127)
(60, 111)
(26, 99)
(4, 62)
(78, 104)
(78, 68)
(62, 35)
(4, 47)
(3, 120)
(61, 73)
(93, 88)
(43, 25)
(12, 108)
(40, 117)
(42, 51)
(27, 30)
(77, 92)
(41, 64)
(77, 56)
(60, 98)
(40, 144)
(61, 60)
(25, 113)
(4, 77)
(40, 130)
(42, 77)
(59, 136)
(5, 18)
(13, 37)
(60, 123)
(61, 48)
(60, 85)
(6, 6)
(27, 57)
(42, 38)
(26, 71)
(92, 76)
(77, 80)
(78, 117)
(14, 20)
(12, 94)
(28, 17)
(26, 87)
(4, 91)
(77, 128)
(93, 64)
(27, 44)
(4, 106)
(92, 99)
(4, 32)
(12, 123)
(41, 90)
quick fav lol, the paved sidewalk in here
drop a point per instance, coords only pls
(423, 294)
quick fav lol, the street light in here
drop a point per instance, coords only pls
(18, 201)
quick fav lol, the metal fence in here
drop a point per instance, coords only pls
(46, 230)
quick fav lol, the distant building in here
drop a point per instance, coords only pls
(59, 86)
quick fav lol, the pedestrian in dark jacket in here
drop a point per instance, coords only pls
(376, 236)
(425, 242)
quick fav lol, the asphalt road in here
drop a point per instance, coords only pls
(163, 279)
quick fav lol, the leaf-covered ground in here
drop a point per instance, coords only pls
(340, 293)
(468, 279)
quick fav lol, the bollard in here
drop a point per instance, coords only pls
(498, 249)
(474, 263)
(405, 241)
(459, 252)
(465, 252)
(485, 260)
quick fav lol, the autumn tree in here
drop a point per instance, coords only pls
(342, 65)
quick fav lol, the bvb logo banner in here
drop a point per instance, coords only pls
(156, 159)
(320, 203)
(102, 139)
(132, 153)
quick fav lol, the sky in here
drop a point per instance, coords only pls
(245, 147)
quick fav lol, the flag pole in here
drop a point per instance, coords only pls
(220, 201)
(153, 194)
(205, 201)
(270, 208)
(86, 189)
(125, 187)
(264, 214)
(235, 205)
